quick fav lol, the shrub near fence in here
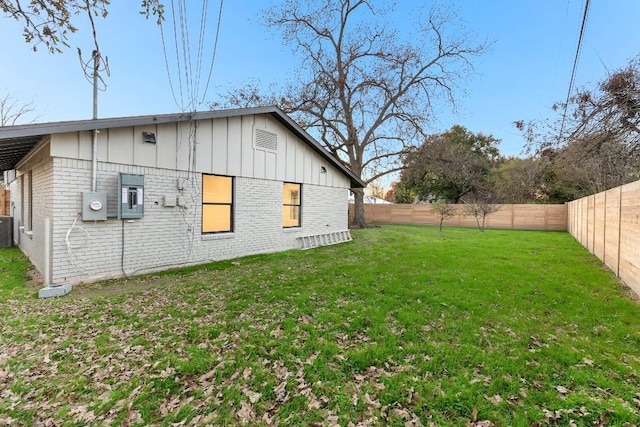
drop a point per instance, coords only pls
(521, 217)
(608, 225)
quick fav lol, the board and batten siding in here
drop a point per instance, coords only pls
(169, 235)
(223, 146)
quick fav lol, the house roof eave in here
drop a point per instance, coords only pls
(17, 141)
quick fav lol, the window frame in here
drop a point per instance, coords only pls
(231, 205)
(298, 205)
(26, 200)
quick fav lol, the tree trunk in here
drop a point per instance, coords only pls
(358, 219)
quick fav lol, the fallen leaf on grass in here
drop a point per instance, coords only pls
(312, 358)
(358, 377)
(252, 395)
(246, 413)
(371, 402)
(6, 420)
(206, 376)
(413, 422)
(277, 332)
(333, 421)
(246, 374)
(496, 399)
(305, 319)
(313, 403)
(474, 420)
(400, 412)
(281, 392)
(269, 419)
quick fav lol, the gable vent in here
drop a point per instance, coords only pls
(266, 140)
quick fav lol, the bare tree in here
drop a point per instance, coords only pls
(51, 21)
(13, 111)
(444, 210)
(591, 164)
(376, 190)
(594, 142)
(611, 109)
(480, 209)
(363, 89)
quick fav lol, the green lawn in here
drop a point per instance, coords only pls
(402, 326)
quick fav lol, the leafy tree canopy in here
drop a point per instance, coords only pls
(450, 165)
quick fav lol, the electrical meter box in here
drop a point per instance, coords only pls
(130, 196)
(94, 206)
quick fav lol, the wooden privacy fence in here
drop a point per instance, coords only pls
(4, 202)
(521, 217)
(608, 225)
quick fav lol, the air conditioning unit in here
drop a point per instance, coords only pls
(6, 231)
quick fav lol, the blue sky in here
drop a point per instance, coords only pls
(526, 69)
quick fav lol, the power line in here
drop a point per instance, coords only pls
(215, 49)
(187, 95)
(186, 50)
(166, 63)
(189, 73)
(562, 43)
(575, 64)
(177, 49)
(201, 37)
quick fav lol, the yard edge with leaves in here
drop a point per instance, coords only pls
(404, 325)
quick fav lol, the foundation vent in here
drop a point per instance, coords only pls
(266, 140)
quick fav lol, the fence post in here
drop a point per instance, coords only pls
(513, 214)
(604, 232)
(546, 219)
(619, 231)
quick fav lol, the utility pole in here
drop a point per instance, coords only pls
(94, 147)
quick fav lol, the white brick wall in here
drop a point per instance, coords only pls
(171, 236)
(32, 240)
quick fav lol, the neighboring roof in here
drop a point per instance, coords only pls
(369, 200)
(17, 141)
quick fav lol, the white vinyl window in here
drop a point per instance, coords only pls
(291, 204)
(217, 204)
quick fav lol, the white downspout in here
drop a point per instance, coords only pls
(50, 290)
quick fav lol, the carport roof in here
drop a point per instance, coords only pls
(15, 148)
(17, 141)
